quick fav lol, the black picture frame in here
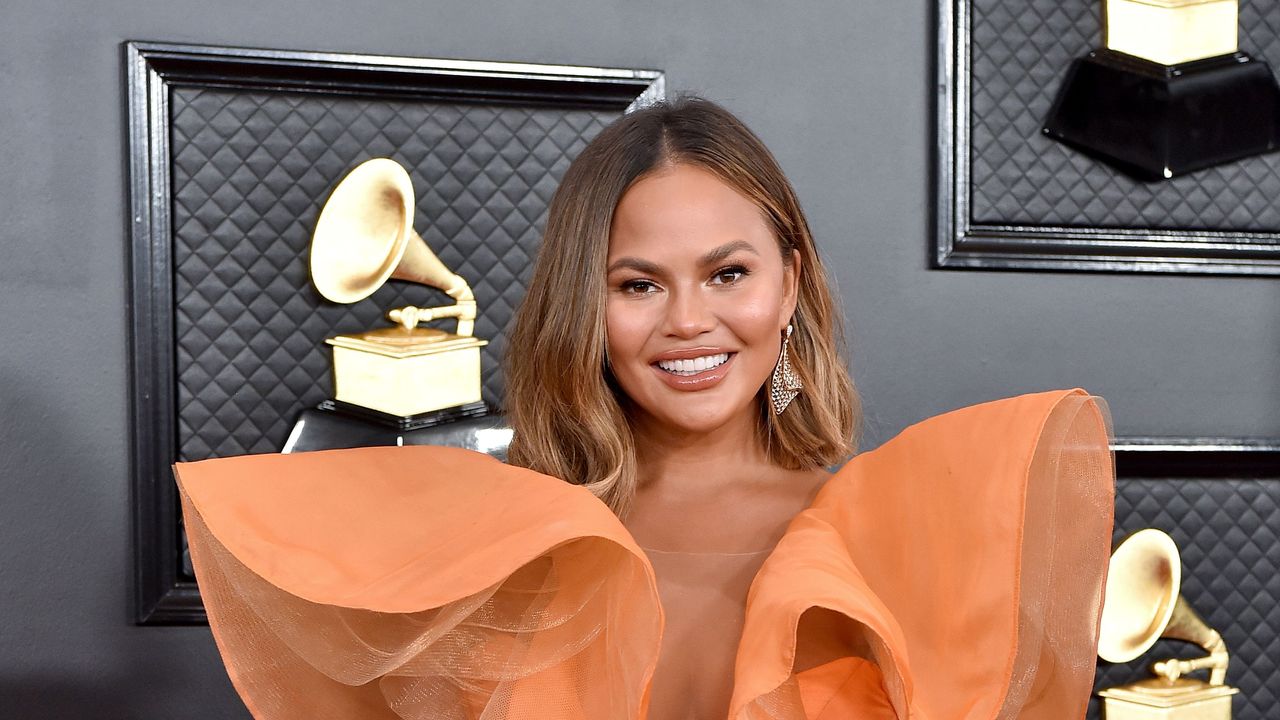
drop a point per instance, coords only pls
(1201, 458)
(961, 243)
(162, 594)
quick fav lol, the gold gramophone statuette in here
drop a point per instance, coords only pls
(363, 238)
(1142, 605)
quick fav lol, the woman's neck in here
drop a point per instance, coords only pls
(698, 461)
(714, 492)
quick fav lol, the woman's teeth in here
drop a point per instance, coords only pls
(693, 366)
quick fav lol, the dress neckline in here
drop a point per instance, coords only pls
(684, 553)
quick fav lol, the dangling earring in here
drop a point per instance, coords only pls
(786, 384)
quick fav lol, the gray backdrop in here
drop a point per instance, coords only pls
(841, 91)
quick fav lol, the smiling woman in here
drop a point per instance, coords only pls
(676, 259)
(675, 238)
(667, 543)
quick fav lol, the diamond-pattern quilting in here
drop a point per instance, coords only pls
(1020, 53)
(250, 172)
(1228, 532)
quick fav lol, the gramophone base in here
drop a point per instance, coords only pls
(1156, 122)
(1188, 699)
(330, 426)
(406, 423)
(406, 373)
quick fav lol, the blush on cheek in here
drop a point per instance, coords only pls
(753, 318)
(626, 329)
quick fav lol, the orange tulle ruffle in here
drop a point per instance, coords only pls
(955, 572)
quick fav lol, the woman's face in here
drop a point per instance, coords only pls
(698, 297)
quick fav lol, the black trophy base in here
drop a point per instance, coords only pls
(407, 422)
(333, 425)
(1156, 121)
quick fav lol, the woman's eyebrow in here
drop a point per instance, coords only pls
(715, 256)
(643, 267)
(724, 251)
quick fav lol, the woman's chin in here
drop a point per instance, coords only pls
(694, 420)
(696, 426)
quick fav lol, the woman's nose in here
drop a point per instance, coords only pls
(688, 314)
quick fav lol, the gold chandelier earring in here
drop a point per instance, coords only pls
(785, 385)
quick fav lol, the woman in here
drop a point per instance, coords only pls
(676, 357)
(680, 219)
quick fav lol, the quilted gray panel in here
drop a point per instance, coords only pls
(250, 171)
(1229, 534)
(1020, 52)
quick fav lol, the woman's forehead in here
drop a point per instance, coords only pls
(685, 211)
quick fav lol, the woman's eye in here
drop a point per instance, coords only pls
(638, 287)
(729, 275)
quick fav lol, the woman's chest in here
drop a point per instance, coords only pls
(704, 602)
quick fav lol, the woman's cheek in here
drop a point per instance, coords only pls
(626, 328)
(752, 318)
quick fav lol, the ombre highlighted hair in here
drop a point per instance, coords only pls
(568, 414)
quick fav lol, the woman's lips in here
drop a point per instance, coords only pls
(697, 381)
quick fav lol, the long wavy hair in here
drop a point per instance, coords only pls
(568, 414)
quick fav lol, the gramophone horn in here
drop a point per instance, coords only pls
(1143, 581)
(1143, 604)
(365, 236)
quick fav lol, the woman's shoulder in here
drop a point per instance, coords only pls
(337, 580)
(939, 546)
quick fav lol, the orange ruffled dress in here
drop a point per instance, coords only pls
(956, 572)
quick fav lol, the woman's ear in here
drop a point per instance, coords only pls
(790, 289)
